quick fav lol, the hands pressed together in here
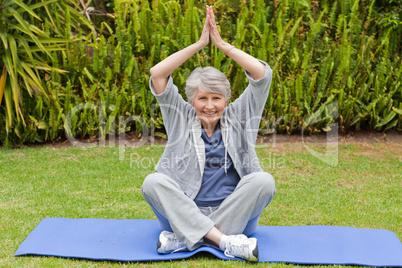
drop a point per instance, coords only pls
(210, 32)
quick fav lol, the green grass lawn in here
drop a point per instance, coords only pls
(364, 190)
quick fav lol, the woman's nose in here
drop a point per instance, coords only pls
(210, 105)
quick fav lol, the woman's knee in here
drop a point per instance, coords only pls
(263, 181)
(152, 182)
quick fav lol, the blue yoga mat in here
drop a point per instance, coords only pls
(135, 240)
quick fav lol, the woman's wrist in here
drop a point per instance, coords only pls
(226, 47)
(228, 50)
(200, 44)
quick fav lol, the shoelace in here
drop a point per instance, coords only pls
(175, 244)
(236, 248)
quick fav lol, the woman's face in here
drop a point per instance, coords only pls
(209, 108)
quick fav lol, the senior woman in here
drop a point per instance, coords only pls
(209, 188)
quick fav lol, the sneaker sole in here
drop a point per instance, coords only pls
(255, 254)
(254, 258)
(158, 246)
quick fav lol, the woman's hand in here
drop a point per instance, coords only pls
(248, 62)
(214, 32)
(161, 71)
(204, 39)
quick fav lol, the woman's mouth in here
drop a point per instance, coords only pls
(209, 113)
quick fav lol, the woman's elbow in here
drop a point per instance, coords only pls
(152, 71)
(155, 73)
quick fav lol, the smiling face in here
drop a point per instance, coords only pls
(209, 108)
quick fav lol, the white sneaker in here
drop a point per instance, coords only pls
(243, 247)
(169, 243)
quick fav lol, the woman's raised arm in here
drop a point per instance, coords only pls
(255, 68)
(161, 71)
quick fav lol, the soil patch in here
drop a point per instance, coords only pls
(363, 138)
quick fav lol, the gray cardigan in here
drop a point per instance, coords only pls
(184, 155)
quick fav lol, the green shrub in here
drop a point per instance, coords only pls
(334, 62)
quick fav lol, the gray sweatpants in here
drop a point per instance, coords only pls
(237, 214)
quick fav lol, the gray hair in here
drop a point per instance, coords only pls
(207, 79)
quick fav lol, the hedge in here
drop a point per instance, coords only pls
(335, 64)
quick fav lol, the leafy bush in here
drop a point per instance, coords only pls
(333, 63)
(31, 32)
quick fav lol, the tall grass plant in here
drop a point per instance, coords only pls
(334, 62)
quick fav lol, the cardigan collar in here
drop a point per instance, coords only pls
(196, 131)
